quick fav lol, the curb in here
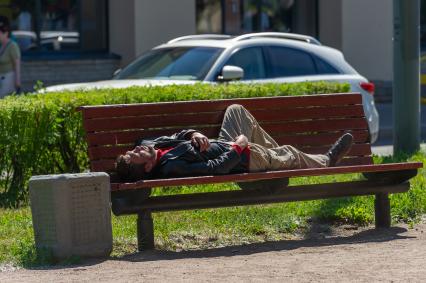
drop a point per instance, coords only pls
(386, 133)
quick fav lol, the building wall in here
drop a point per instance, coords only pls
(363, 31)
(330, 23)
(136, 26)
(53, 72)
(122, 27)
(367, 37)
(161, 20)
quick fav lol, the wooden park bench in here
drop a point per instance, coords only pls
(310, 123)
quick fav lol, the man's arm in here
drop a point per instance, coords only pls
(223, 164)
(197, 139)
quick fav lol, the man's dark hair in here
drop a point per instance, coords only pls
(127, 171)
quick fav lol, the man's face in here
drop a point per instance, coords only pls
(142, 155)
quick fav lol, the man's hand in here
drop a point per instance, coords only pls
(241, 141)
(201, 141)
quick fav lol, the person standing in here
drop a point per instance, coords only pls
(10, 61)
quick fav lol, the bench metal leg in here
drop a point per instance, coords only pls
(382, 210)
(145, 231)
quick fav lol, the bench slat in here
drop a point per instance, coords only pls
(360, 136)
(356, 150)
(316, 126)
(269, 175)
(189, 121)
(192, 117)
(236, 198)
(215, 105)
(129, 137)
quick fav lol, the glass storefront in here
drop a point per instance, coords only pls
(244, 16)
(57, 25)
(209, 16)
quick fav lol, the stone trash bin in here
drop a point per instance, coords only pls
(71, 214)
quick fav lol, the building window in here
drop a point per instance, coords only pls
(209, 16)
(245, 16)
(57, 25)
(267, 15)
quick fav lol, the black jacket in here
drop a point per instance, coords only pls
(186, 160)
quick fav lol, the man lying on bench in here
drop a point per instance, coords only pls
(242, 146)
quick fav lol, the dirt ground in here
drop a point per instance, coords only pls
(339, 254)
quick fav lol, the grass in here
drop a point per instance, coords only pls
(200, 229)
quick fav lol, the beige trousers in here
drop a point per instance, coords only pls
(265, 153)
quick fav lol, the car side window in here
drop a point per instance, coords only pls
(251, 60)
(324, 67)
(289, 62)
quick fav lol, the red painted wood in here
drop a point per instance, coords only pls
(129, 137)
(356, 150)
(189, 121)
(100, 111)
(192, 117)
(270, 175)
(156, 121)
(325, 118)
(105, 165)
(360, 136)
(316, 126)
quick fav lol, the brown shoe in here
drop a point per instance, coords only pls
(339, 149)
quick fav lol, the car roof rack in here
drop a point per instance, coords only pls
(283, 35)
(200, 36)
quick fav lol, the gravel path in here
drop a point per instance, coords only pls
(341, 254)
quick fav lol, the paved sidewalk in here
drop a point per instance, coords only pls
(386, 122)
(384, 150)
(330, 254)
(384, 145)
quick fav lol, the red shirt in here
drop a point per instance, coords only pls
(245, 154)
(161, 152)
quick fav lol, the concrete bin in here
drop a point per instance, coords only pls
(71, 214)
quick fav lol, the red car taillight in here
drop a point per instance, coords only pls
(369, 87)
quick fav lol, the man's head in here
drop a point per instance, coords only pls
(133, 165)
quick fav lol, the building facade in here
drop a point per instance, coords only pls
(84, 40)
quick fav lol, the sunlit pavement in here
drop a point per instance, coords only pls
(384, 150)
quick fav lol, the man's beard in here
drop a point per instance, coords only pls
(151, 152)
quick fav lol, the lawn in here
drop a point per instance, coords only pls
(200, 229)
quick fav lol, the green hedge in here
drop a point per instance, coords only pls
(42, 133)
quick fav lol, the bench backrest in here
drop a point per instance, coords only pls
(311, 123)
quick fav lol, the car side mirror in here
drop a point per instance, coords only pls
(116, 72)
(231, 73)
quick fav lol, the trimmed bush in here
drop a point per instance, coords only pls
(42, 133)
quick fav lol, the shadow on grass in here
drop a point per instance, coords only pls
(353, 210)
(368, 236)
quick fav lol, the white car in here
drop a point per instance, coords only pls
(254, 58)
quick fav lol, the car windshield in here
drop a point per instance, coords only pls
(178, 63)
